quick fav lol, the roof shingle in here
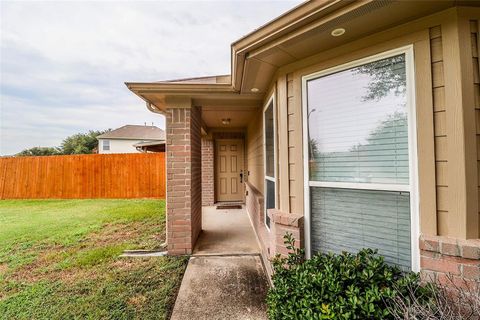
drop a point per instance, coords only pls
(135, 132)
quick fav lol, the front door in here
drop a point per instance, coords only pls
(229, 170)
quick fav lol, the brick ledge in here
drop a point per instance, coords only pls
(284, 218)
(467, 249)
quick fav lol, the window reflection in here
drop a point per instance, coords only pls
(269, 142)
(358, 130)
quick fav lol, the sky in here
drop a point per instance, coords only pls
(63, 64)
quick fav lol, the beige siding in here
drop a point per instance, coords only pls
(254, 147)
(291, 146)
(438, 93)
(282, 145)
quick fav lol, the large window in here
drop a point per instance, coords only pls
(360, 158)
(270, 160)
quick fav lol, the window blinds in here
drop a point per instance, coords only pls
(358, 134)
(350, 220)
(358, 127)
(269, 148)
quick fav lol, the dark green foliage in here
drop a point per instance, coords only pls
(81, 143)
(329, 286)
(39, 151)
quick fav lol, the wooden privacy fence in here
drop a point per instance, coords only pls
(139, 175)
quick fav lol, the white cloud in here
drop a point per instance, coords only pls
(63, 64)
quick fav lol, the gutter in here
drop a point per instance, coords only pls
(154, 109)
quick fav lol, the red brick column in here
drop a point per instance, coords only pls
(281, 224)
(442, 256)
(184, 190)
(208, 195)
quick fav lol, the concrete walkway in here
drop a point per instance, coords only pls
(225, 278)
(226, 232)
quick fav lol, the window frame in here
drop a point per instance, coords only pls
(412, 187)
(105, 141)
(272, 101)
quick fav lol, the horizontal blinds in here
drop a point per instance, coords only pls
(270, 198)
(269, 131)
(358, 134)
(358, 128)
(349, 220)
(269, 142)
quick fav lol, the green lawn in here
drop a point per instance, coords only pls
(59, 260)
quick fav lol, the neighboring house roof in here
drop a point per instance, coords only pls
(134, 132)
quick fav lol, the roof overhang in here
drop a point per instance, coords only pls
(163, 94)
(149, 143)
(297, 34)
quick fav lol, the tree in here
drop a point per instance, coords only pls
(386, 75)
(39, 151)
(81, 143)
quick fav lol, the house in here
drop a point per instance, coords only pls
(132, 139)
(350, 124)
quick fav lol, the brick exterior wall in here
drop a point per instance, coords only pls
(442, 256)
(254, 204)
(184, 190)
(281, 224)
(271, 242)
(208, 184)
(196, 184)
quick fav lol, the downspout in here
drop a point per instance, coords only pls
(154, 109)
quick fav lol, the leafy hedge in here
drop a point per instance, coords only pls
(345, 286)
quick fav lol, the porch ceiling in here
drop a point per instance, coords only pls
(240, 116)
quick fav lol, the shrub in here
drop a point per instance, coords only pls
(345, 286)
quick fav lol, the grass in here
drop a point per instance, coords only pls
(59, 260)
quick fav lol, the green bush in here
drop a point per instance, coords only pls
(345, 286)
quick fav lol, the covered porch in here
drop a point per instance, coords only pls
(206, 157)
(206, 164)
(215, 146)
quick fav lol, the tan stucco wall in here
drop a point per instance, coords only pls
(447, 103)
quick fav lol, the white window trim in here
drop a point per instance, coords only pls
(412, 188)
(360, 186)
(272, 101)
(106, 143)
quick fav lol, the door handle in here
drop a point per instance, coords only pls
(241, 177)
